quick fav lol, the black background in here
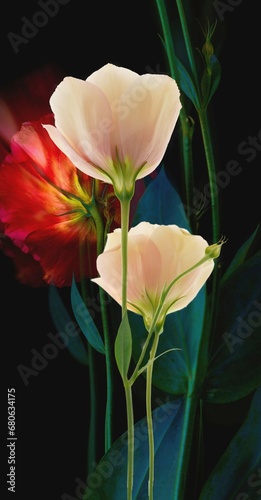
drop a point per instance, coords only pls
(52, 411)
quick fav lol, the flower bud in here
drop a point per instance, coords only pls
(213, 251)
(207, 50)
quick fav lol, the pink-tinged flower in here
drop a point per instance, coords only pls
(44, 211)
(158, 256)
(116, 124)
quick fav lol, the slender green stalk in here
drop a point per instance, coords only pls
(92, 437)
(169, 46)
(149, 415)
(108, 354)
(125, 213)
(130, 426)
(210, 159)
(187, 126)
(92, 434)
(213, 298)
(106, 334)
(185, 445)
(205, 128)
(186, 36)
(143, 352)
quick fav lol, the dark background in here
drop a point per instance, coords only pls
(52, 411)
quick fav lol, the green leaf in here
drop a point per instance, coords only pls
(123, 346)
(238, 472)
(161, 204)
(111, 472)
(62, 321)
(210, 79)
(186, 84)
(85, 320)
(240, 256)
(235, 368)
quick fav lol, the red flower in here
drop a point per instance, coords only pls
(44, 202)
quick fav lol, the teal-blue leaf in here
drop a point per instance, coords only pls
(62, 320)
(161, 204)
(85, 320)
(238, 471)
(186, 84)
(235, 368)
(108, 481)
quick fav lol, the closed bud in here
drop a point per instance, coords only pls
(207, 50)
(213, 251)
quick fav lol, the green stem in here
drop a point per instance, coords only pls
(186, 36)
(210, 159)
(92, 435)
(106, 334)
(169, 46)
(93, 414)
(185, 446)
(125, 212)
(143, 352)
(108, 355)
(187, 127)
(149, 415)
(130, 424)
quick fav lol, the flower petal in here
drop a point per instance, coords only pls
(149, 111)
(73, 156)
(85, 124)
(113, 81)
